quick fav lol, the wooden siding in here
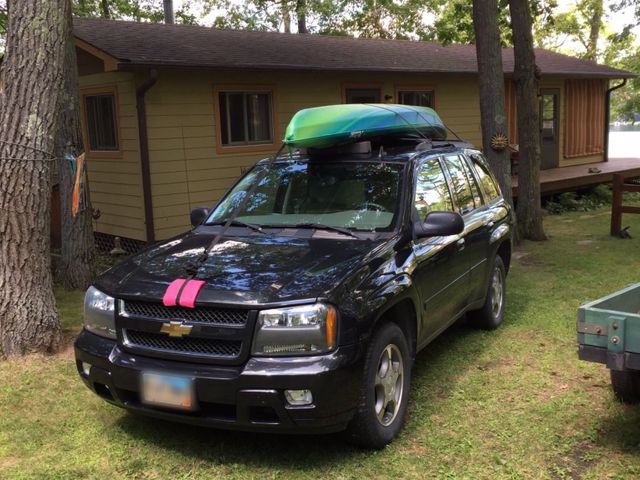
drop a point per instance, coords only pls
(186, 170)
(115, 183)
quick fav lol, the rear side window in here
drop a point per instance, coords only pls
(485, 177)
(432, 191)
(465, 195)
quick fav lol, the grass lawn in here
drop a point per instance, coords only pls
(515, 403)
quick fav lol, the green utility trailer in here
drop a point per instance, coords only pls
(609, 333)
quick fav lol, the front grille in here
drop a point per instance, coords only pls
(217, 316)
(183, 345)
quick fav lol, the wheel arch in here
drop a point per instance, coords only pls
(402, 311)
(504, 250)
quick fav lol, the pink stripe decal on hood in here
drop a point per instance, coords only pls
(190, 293)
(170, 298)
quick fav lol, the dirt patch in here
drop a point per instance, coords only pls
(585, 242)
(527, 259)
(575, 463)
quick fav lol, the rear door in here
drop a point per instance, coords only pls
(440, 273)
(477, 225)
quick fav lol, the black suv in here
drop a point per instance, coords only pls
(336, 269)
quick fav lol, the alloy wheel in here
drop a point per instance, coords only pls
(389, 385)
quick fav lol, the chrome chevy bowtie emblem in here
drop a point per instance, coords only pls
(176, 329)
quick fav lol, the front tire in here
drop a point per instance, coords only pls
(385, 389)
(491, 314)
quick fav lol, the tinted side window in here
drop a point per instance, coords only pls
(460, 182)
(489, 185)
(432, 191)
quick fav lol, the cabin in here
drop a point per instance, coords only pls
(172, 114)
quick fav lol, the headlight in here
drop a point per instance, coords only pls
(304, 330)
(99, 313)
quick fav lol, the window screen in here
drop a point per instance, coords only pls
(100, 111)
(423, 98)
(432, 192)
(362, 95)
(245, 118)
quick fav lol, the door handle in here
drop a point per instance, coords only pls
(490, 223)
(460, 244)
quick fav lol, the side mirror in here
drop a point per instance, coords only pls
(438, 224)
(199, 215)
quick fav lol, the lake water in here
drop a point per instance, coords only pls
(624, 141)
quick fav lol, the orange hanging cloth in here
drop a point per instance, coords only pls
(75, 196)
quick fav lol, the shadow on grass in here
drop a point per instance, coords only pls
(435, 373)
(620, 430)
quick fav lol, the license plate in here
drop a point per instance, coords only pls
(168, 391)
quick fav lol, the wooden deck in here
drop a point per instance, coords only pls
(568, 178)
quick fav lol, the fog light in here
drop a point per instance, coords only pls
(86, 368)
(298, 397)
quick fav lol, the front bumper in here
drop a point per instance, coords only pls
(246, 397)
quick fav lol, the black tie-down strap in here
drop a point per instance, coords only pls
(193, 267)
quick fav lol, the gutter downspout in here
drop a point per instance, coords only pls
(144, 153)
(607, 114)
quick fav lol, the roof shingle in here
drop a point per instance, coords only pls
(146, 44)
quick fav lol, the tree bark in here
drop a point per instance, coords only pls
(595, 24)
(169, 16)
(301, 13)
(493, 117)
(32, 79)
(76, 268)
(104, 6)
(529, 210)
(286, 16)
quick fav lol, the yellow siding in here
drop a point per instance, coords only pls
(186, 171)
(115, 183)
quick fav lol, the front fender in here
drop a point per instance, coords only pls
(396, 290)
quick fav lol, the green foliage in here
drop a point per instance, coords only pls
(626, 101)
(454, 22)
(137, 10)
(363, 18)
(595, 198)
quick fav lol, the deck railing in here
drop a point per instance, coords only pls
(617, 209)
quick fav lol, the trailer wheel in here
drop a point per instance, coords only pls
(626, 385)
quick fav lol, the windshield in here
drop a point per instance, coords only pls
(354, 195)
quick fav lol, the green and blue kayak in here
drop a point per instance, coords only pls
(323, 127)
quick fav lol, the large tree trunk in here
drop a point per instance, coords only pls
(493, 117)
(286, 16)
(596, 11)
(301, 13)
(529, 211)
(169, 16)
(104, 7)
(76, 268)
(32, 79)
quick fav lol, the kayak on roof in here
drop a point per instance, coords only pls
(332, 125)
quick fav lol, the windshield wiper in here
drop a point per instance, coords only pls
(238, 223)
(320, 226)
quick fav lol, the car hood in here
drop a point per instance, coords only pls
(245, 269)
